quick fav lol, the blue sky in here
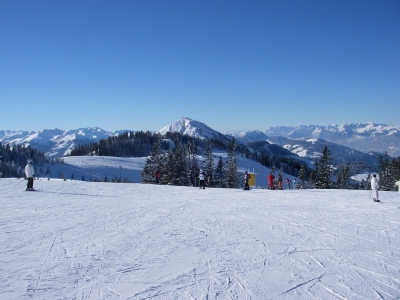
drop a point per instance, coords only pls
(233, 65)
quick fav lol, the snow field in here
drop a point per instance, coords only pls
(83, 240)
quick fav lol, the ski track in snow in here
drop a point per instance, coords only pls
(81, 240)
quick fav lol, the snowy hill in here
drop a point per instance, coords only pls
(81, 240)
(98, 167)
(195, 129)
(366, 137)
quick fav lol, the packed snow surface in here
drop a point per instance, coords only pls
(92, 240)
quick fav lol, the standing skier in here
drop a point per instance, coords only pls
(398, 184)
(157, 176)
(201, 177)
(29, 173)
(247, 177)
(288, 183)
(280, 186)
(375, 188)
(271, 179)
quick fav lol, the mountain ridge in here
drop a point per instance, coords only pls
(364, 137)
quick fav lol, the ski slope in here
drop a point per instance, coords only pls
(97, 167)
(96, 240)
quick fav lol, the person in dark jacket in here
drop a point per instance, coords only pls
(247, 177)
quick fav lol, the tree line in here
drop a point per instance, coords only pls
(181, 165)
(139, 144)
(325, 177)
(14, 158)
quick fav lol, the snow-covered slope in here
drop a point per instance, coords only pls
(81, 240)
(98, 167)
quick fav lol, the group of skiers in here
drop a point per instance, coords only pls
(30, 174)
(271, 182)
(202, 179)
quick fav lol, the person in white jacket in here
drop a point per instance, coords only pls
(374, 188)
(398, 185)
(29, 173)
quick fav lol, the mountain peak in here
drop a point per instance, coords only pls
(193, 128)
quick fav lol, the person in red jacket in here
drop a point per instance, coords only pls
(157, 175)
(271, 179)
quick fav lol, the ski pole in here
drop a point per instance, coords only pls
(19, 183)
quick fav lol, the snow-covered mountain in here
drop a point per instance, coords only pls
(365, 137)
(312, 148)
(194, 129)
(55, 142)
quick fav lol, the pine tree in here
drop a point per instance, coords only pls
(180, 170)
(193, 163)
(386, 182)
(343, 177)
(231, 179)
(167, 170)
(219, 177)
(302, 176)
(209, 163)
(395, 169)
(323, 175)
(153, 162)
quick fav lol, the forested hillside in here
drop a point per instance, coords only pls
(14, 158)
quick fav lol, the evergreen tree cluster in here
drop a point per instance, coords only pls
(140, 144)
(181, 165)
(289, 165)
(128, 144)
(14, 158)
(323, 170)
(389, 172)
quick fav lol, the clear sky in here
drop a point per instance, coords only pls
(233, 65)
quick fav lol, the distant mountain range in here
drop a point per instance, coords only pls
(350, 142)
(55, 142)
(365, 137)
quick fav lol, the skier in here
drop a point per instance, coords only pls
(29, 173)
(375, 188)
(398, 184)
(294, 183)
(157, 176)
(271, 179)
(280, 181)
(201, 177)
(288, 183)
(247, 177)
